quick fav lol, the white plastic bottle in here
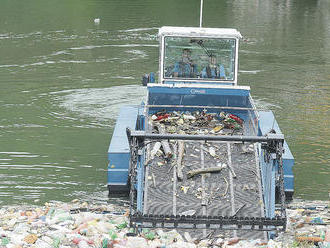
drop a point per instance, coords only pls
(83, 244)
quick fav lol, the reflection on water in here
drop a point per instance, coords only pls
(63, 79)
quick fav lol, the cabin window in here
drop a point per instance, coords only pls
(202, 58)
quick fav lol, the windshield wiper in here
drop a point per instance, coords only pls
(201, 44)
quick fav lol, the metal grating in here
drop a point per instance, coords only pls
(230, 200)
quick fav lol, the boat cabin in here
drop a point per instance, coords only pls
(198, 55)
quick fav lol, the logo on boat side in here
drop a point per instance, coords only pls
(194, 91)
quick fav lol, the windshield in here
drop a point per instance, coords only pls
(203, 58)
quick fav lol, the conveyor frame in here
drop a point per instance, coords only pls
(271, 143)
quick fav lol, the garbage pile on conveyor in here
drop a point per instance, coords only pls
(194, 123)
(198, 122)
(82, 224)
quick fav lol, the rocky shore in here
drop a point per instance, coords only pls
(82, 224)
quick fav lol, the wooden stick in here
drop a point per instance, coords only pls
(153, 179)
(229, 161)
(165, 144)
(316, 224)
(239, 209)
(193, 173)
(309, 239)
(227, 186)
(179, 160)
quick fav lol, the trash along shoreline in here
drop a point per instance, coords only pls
(84, 224)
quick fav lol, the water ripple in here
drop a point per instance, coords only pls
(103, 103)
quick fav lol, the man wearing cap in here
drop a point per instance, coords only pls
(185, 68)
(213, 70)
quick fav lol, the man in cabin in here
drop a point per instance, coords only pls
(213, 70)
(185, 68)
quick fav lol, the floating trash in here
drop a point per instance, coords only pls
(84, 225)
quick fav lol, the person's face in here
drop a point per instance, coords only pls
(213, 60)
(186, 56)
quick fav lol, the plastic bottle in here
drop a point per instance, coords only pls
(4, 241)
(56, 242)
(83, 244)
(327, 236)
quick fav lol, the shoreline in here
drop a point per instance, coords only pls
(83, 224)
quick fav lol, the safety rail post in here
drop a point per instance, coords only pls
(279, 158)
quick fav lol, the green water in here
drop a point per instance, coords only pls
(63, 78)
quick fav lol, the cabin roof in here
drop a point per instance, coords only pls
(199, 32)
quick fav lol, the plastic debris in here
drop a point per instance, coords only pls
(189, 212)
(217, 129)
(75, 224)
(150, 235)
(113, 235)
(184, 189)
(233, 241)
(155, 149)
(31, 238)
(198, 122)
(4, 241)
(212, 151)
(317, 220)
(327, 235)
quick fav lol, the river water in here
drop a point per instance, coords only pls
(63, 79)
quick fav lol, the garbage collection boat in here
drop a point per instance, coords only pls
(197, 153)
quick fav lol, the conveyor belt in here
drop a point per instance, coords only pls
(229, 201)
(212, 194)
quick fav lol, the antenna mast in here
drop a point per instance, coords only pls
(201, 15)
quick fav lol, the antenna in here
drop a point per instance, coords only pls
(201, 15)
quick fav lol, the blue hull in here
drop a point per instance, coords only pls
(158, 96)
